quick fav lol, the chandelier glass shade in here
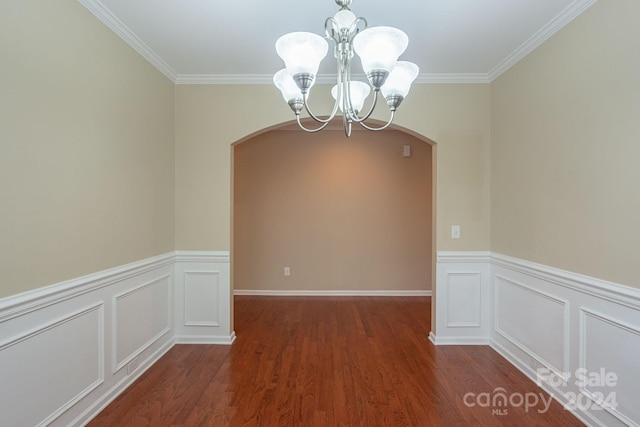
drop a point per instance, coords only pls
(378, 49)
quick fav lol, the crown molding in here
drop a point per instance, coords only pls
(453, 78)
(224, 79)
(559, 21)
(112, 22)
(257, 79)
(115, 25)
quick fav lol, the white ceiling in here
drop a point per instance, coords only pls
(214, 41)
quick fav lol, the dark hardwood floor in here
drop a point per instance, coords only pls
(324, 361)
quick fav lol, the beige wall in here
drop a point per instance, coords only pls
(566, 148)
(342, 214)
(88, 157)
(86, 147)
(210, 118)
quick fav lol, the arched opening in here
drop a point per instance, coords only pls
(346, 216)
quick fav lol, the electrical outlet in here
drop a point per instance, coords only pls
(287, 271)
(132, 366)
(455, 231)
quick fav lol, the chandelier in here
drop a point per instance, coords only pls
(378, 49)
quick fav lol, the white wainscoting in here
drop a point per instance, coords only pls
(141, 316)
(52, 367)
(573, 327)
(203, 298)
(520, 324)
(71, 348)
(557, 327)
(600, 336)
(462, 298)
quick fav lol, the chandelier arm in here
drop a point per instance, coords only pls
(346, 86)
(346, 125)
(373, 107)
(380, 128)
(353, 115)
(314, 117)
(307, 129)
(330, 25)
(335, 104)
(344, 80)
(353, 29)
(334, 24)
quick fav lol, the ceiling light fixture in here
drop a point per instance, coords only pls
(378, 49)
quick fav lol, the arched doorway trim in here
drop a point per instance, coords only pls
(292, 125)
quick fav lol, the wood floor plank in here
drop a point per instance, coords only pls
(327, 361)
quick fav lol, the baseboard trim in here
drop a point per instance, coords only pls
(457, 340)
(333, 293)
(100, 404)
(206, 339)
(554, 393)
